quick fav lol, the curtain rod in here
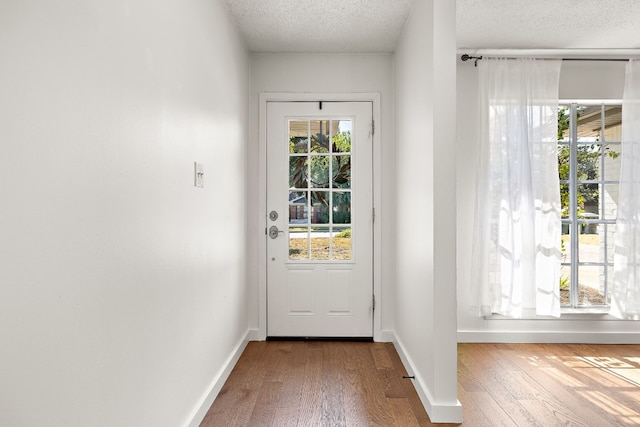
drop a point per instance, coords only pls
(466, 57)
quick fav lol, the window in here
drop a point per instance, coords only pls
(589, 168)
(320, 190)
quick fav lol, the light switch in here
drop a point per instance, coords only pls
(198, 174)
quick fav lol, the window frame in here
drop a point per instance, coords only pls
(573, 220)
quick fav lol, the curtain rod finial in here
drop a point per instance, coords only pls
(466, 57)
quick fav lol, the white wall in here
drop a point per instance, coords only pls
(122, 287)
(327, 73)
(425, 324)
(578, 80)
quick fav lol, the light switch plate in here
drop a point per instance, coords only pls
(198, 174)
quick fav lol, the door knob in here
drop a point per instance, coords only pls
(273, 232)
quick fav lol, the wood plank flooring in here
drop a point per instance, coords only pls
(317, 383)
(298, 383)
(549, 384)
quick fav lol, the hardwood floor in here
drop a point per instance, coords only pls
(298, 383)
(317, 383)
(549, 384)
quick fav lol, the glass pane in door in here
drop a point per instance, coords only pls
(319, 136)
(341, 171)
(320, 189)
(341, 243)
(298, 243)
(298, 136)
(341, 138)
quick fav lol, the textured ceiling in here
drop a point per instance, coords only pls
(548, 24)
(375, 25)
(320, 25)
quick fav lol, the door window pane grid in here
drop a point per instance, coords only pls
(320, 190)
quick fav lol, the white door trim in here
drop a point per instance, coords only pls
(262, 198)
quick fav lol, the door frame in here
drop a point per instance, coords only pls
(374, 98)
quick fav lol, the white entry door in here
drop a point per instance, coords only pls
(319, 219)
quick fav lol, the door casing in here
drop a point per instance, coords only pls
(262, 201)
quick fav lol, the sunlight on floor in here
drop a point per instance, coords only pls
(611, 406)
(564, 378)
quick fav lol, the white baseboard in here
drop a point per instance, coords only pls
(218, 381)
(254, 335)
(387, 335)
(530, 337)
(438, 413)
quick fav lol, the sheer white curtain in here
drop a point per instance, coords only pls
(625, 295)
(516, 254)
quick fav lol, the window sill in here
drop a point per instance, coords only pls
(590, 314)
